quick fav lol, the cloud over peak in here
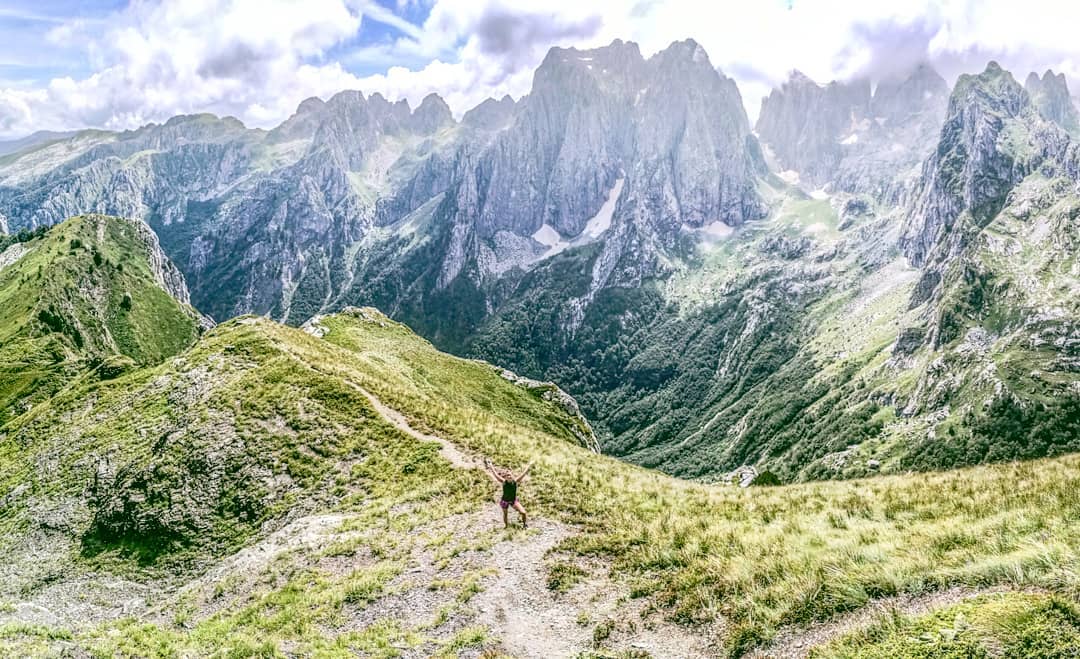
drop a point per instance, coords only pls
(120, 67)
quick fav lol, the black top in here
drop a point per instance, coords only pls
(509, 491)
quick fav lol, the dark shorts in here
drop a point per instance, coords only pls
(506, 504)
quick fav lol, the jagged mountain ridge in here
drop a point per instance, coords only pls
(617, 231)
(854, 137)
(1051, 97)
(316, 187)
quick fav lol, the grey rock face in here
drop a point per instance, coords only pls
(991, 139)
(166, 274)
(1050, 94)
(671, 129)
(842, 137)
(898, 98)
(805, 123)
(491, 114)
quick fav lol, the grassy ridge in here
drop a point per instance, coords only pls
(168, 468)
(81, 294)
(760, 559)
(754, 559)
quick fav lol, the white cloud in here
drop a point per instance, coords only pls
(257, 59)
(243, 57)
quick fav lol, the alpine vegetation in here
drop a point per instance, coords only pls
(802, 386)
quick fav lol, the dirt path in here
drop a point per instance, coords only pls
(447, 449)
(517, 605)
(527, 618)
(797, 643)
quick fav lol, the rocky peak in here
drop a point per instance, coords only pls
(1050, 94)
(491, 114)
(844, 137)
(687, 52)
(992, 137)
(668, 137)
(994, 90)
(310, 105)
(302, 123)
(432, 114)
(618, 66)
(920, 91)
(805, 123)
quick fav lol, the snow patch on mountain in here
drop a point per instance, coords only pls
(601, 222)
(597, 225)
(547, 236)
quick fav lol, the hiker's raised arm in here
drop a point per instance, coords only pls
(490, 471)
(520, 477)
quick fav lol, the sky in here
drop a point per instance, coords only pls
(120, 64)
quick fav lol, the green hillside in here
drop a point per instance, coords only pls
(809, 351)
(83, 296)
(1001, 625)
(272, 491)
(158, 478)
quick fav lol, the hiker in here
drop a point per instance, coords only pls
(510, 484)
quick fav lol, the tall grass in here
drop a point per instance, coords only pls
(749, 560)
(754, 558)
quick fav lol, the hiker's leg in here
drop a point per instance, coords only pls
(521, 510)
(506, 516)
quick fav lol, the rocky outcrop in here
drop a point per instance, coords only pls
(908, 341)
(853, 210)
(549, 391)
(748, 476)
(176, 497)
(165, 273)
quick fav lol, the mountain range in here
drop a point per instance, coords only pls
(880, 275)
(250, 380)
